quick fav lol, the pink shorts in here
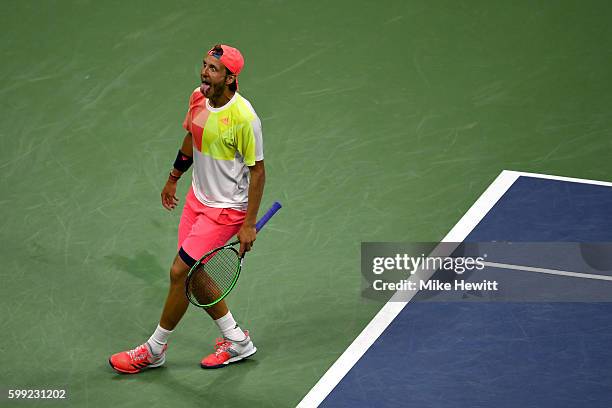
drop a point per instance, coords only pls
(204, 228)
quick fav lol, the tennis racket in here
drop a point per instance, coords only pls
(214, 276)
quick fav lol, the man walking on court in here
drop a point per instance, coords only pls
(224, 143)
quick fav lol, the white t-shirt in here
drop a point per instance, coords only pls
(226, 141)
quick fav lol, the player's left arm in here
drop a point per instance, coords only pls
(247, 233)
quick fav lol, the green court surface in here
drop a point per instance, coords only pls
(382, 122)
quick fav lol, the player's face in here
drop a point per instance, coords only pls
(213, 76)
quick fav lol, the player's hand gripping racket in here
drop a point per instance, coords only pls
(216, 273)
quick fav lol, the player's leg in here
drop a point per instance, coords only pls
(213, 228)
(218, 310)
(216, 227)
(152, 353)
(176, 302)
(211, 231)
(235, 344)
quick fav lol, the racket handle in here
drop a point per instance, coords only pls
(266, 217)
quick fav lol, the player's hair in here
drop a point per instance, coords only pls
(218, 52)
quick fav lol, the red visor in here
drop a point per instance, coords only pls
(231, 58)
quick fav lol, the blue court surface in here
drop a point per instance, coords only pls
(550, 348)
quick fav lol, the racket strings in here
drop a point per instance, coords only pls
(214, 276)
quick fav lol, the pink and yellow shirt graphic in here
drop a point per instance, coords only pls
(226, 141)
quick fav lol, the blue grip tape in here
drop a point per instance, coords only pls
(266, 217)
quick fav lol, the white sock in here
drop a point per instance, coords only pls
(159, 339)
(229, 328)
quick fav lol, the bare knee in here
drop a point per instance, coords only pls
(178, 272)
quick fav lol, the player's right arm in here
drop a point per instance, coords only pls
(187, 146)
(168, 194)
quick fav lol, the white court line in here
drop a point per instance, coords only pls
(394, 306)
(548, 271)
(561, 178)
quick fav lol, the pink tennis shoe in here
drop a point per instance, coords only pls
(135, 360)
(228, 351)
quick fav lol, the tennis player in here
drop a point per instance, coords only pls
(224, 144)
